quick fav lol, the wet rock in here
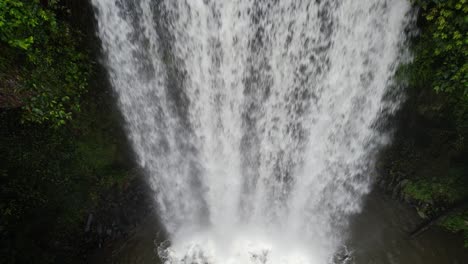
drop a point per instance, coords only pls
(422, 214)
(118, 214)
(403, 183)
(88, 223)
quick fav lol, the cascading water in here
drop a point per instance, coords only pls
(256, 120)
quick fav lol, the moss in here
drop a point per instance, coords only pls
(50, 70)
(430, 151)
(54, 178)
(446, 190)
(457, 223)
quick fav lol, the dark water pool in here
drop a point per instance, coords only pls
(377, 236)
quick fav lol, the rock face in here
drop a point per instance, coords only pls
(118, 214)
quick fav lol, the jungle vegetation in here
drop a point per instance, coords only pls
(60, 150)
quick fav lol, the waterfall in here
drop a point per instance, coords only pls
(256, 121)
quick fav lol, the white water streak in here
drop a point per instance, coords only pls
(255, 120)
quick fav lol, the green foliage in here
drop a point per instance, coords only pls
(438, 76)
(457, 223)
(19, 20)
(437, 194)
(55, 72)
(446, 38)
(441, 52)
(52, 179)
(446, 190)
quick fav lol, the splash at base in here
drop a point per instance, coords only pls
(255, 115)
(204, 250)
(248, 248)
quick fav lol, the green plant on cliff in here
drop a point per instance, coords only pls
(445, 190)
(53, 73)
(457, 223)
(441, 52)
(50, 178)
(441, 64)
